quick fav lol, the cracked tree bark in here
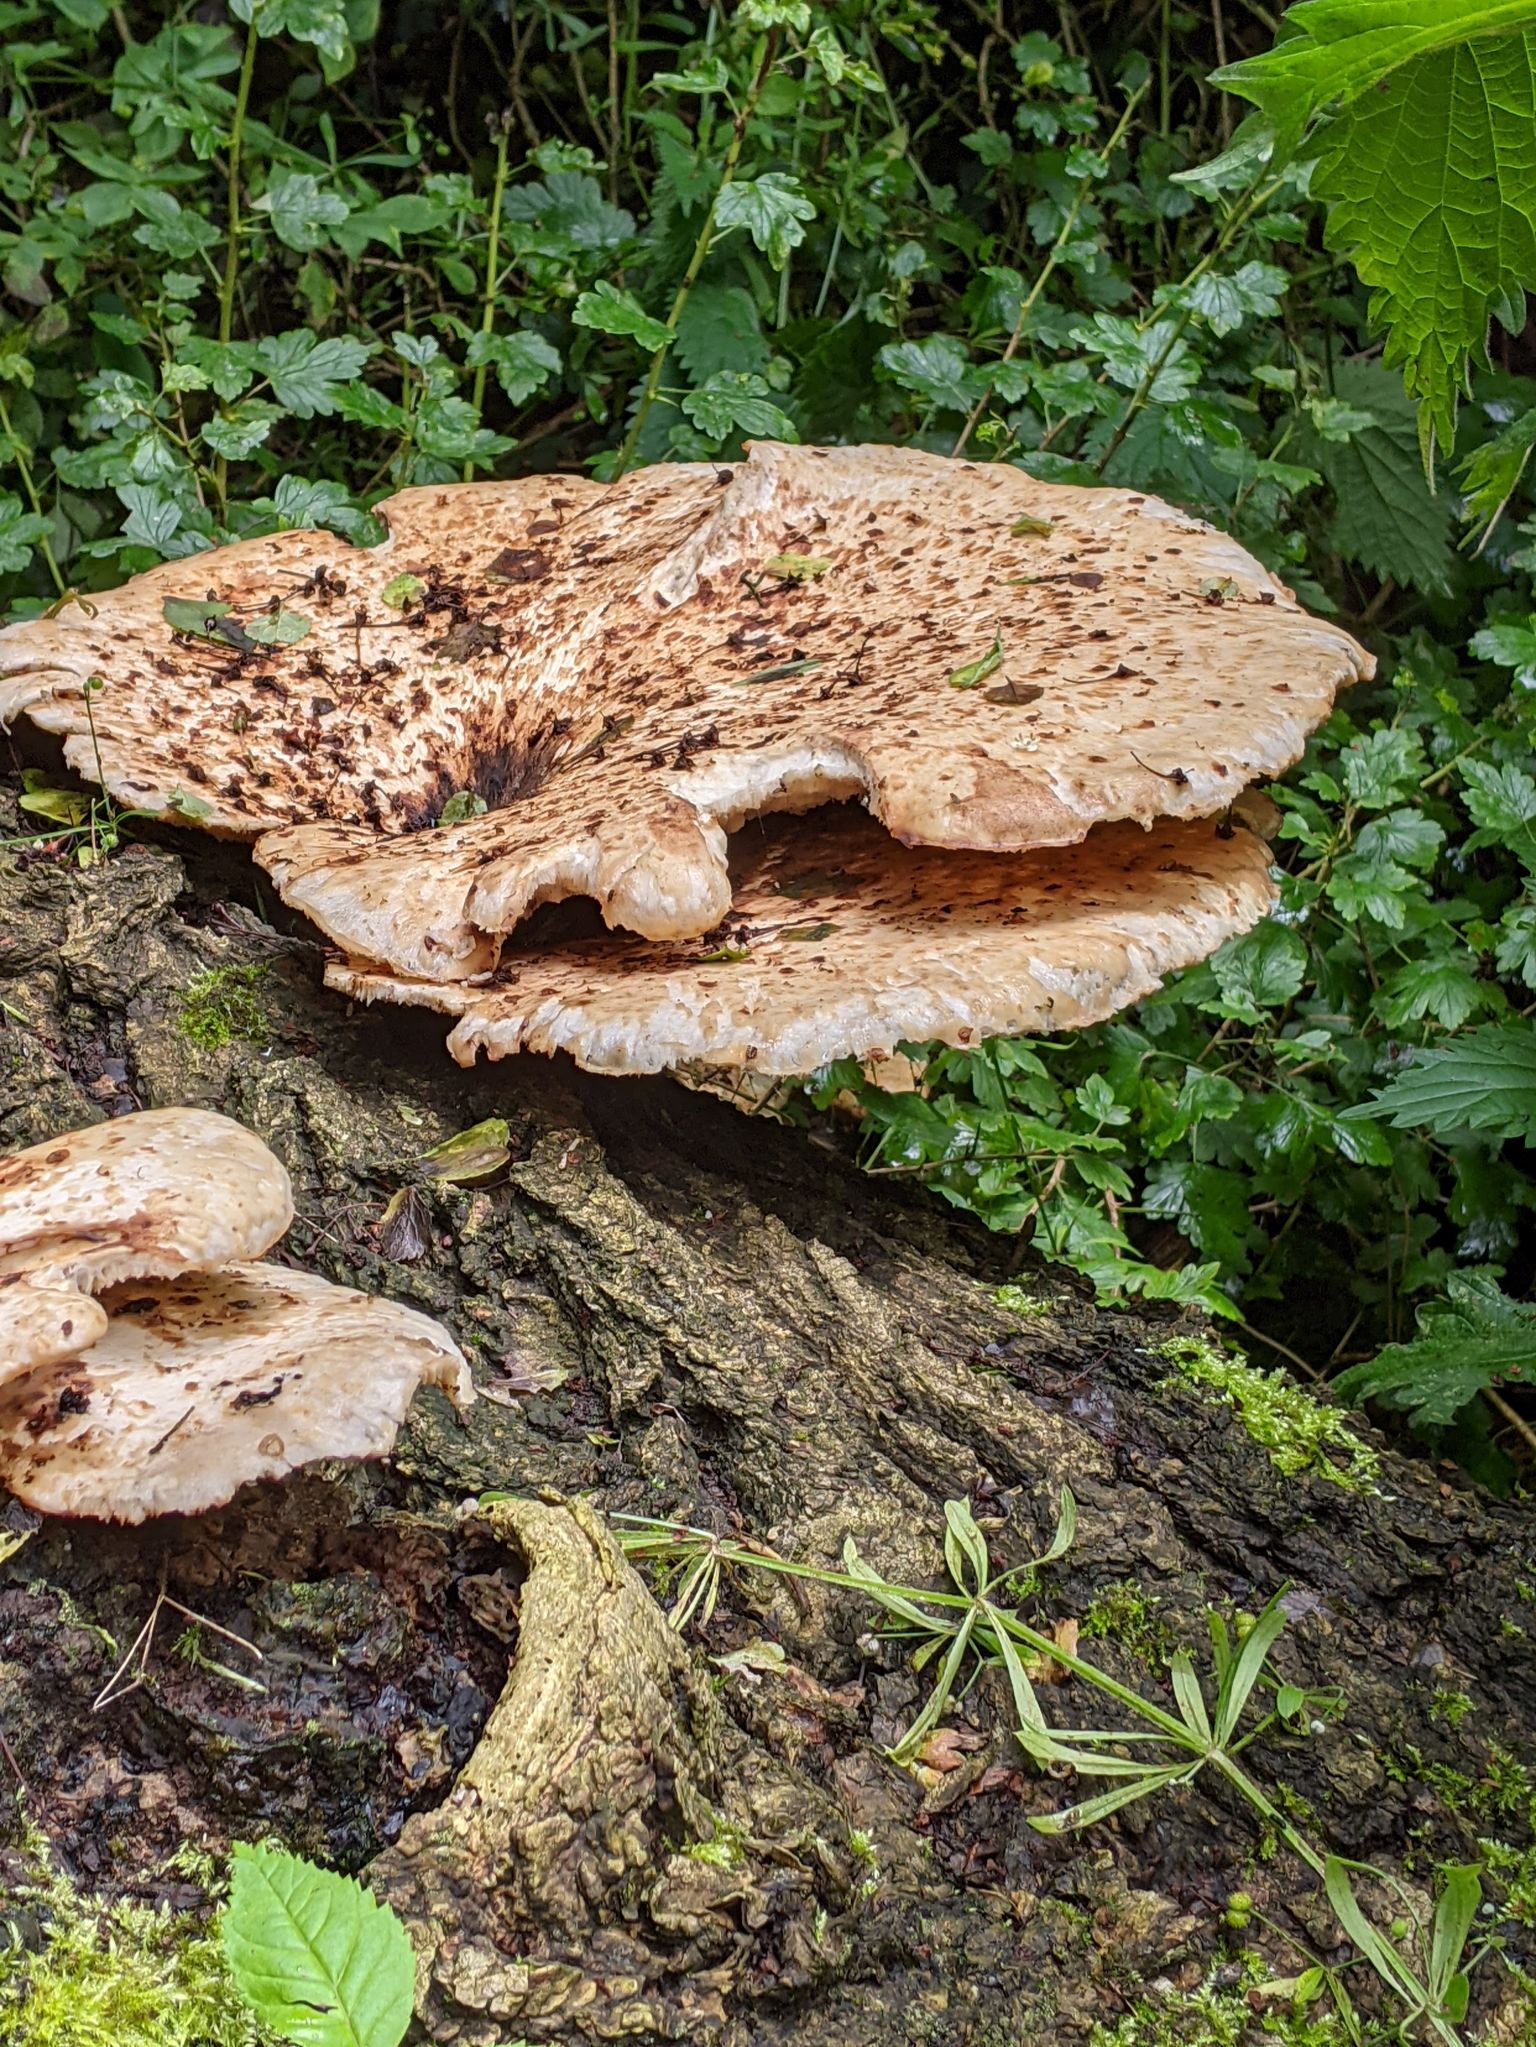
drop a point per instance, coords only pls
(684, 1314)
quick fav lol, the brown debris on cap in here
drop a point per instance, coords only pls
(841, 942)
(624, 673)
(203, 1384)
(147, 1196)
(42, 1323)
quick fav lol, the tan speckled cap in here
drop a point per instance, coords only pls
(840, 942)
(147, 1196)
(205, 1383)
(624, 673)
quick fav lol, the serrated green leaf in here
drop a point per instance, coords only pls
(401, 592)
(280, 628)
(1484, 1080)
(718, 329)
(1261, 970)
(1386, 518)
(1431, 188)
(300, 211)
(315, 1955)
(308, 377)
(773, 208)
(734, 404)
(524, 362)
(1335, 50)
(1477, 1338)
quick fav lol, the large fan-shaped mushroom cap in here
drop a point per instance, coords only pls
(841, 942)
(204, 1383)
(147, 1196)
(624, 673)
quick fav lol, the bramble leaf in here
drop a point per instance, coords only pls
(315, 1955)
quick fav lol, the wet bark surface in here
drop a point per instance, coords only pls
(593, 1826)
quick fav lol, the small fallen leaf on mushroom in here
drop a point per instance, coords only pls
(401, 592)
(797, 568)
(976, 672)
(279, 628)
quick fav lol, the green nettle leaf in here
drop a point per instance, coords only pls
(1386, 517)
(1431, 188)
(612, 311)
(1484, 1080)
(1336, 50)
(280, 628)
(300, 211)
(773, 209)
(1261, 970)
(1475, 1339)
(316, 1956)
(718, 329)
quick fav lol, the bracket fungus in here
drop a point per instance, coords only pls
(147, 1366)
(840, 941)
(616, 676)
(148, 1196)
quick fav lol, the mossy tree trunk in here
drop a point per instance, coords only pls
(681, 1313)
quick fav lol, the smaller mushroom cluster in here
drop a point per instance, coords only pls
(148, 1363)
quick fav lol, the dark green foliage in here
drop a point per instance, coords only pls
(257, 272)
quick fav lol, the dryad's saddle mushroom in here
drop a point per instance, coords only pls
(146, 1364)
(619, 675)
(146, 1197)
(842, 941)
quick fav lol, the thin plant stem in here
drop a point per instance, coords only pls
(232, 229)
(700, 250)
(492, 260)
(1047, 271)
(29, 485)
